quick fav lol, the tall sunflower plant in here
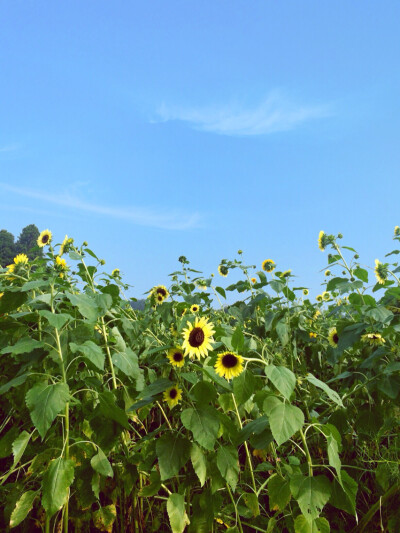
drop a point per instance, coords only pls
(275, 413)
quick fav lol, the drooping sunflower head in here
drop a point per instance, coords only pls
(172, 396)
(21, 259)
(286, 273)
(306, 292)
(319, 298)
(116, 273)
(229, 365)
(374, 339)
(198, 338)
(327, 273)
(65, 245)
(397, 231)
(333, 337)
(223, 270)
(323, 240)
(195, 308)
(176, 356)
(381, 272)
(268, 265)
(316, 314)
(44, 238)
(326, 296)
(201, 284)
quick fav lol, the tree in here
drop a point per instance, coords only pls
(26, 243)
(7, 248)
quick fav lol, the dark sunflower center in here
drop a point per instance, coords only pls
(161, 291)
(229, 360)
(45, 238)
(196, 337)
(178, 357)
(173, 393)
(335, 338)
(160, 298)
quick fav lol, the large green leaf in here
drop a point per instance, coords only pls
(56, 320)
(12, 300)
(228, 464)
(86, 305)
(15, 382)
(101, 464)
(285, 419)
(344, 493)
(55, 485)
(244, 386)
(22, 507)
(203, 422)
(173, 452)
(19, 445)
(178, 518)
(282, 331)
(333, 395)
(24, 345)
(311, 493)
(237, 340)
(110, 409)
(45, 402)
(278, 492)
(91, 352)
(127, 362)
(282, 378)
(199, 463)
(304, 525)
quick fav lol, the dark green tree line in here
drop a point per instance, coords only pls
(26, 244)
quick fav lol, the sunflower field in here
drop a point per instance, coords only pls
(278, 413)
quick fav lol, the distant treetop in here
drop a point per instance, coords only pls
(26, 244)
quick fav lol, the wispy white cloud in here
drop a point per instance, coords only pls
(275, 113)
(172, 220)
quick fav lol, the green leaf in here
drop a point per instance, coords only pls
(282, 331)
(244, 386)
(91, 352)
(158, 386)
(22, 507)
(203, 422)
(178, 518)
(199, 463)
(19, 445)
(23, 346)
(361, 274)
(311, 493)
(333, 395)
(15, 382)
(251, 501)
(110, 409)
(380, 314)
(12, 300)
(256, 426)
(85, 304)
(210, 372)
(285, 419)
(56, 320)
(55, 485)
(228, 464)
(221, 291)
(173, 452)
(45, 402)
(101, 464)
(153, 487)
(104, 518)
(282, 378)
(344, 493)
(237, 340)
(304, 525)
(278, 492)
(127, 362)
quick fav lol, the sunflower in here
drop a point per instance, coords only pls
(323, 240)
(61, 263)
(253, 280)
(327, 273)
(116, 273)
(305, 292)
(223, 270)
(195, 308)
(21, 259)
(172, 396)
(65, 245)
(229, 365)
(286, 273)
(319, 298)
(312, 335)
(316, 314)
(374, 339)
(10, 270)
(268, 265)
(176, 356)
(326, 296)
(396, 231)
(44, 238)
(198, 338)
(333, 337)
(381, 271)
(201, 284)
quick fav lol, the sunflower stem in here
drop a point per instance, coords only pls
(245, 446)
(165, 416)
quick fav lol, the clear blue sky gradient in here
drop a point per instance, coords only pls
(155, 129)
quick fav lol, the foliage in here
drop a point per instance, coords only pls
(101, 431)
(26, 244)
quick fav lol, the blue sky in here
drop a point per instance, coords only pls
(156, 129)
